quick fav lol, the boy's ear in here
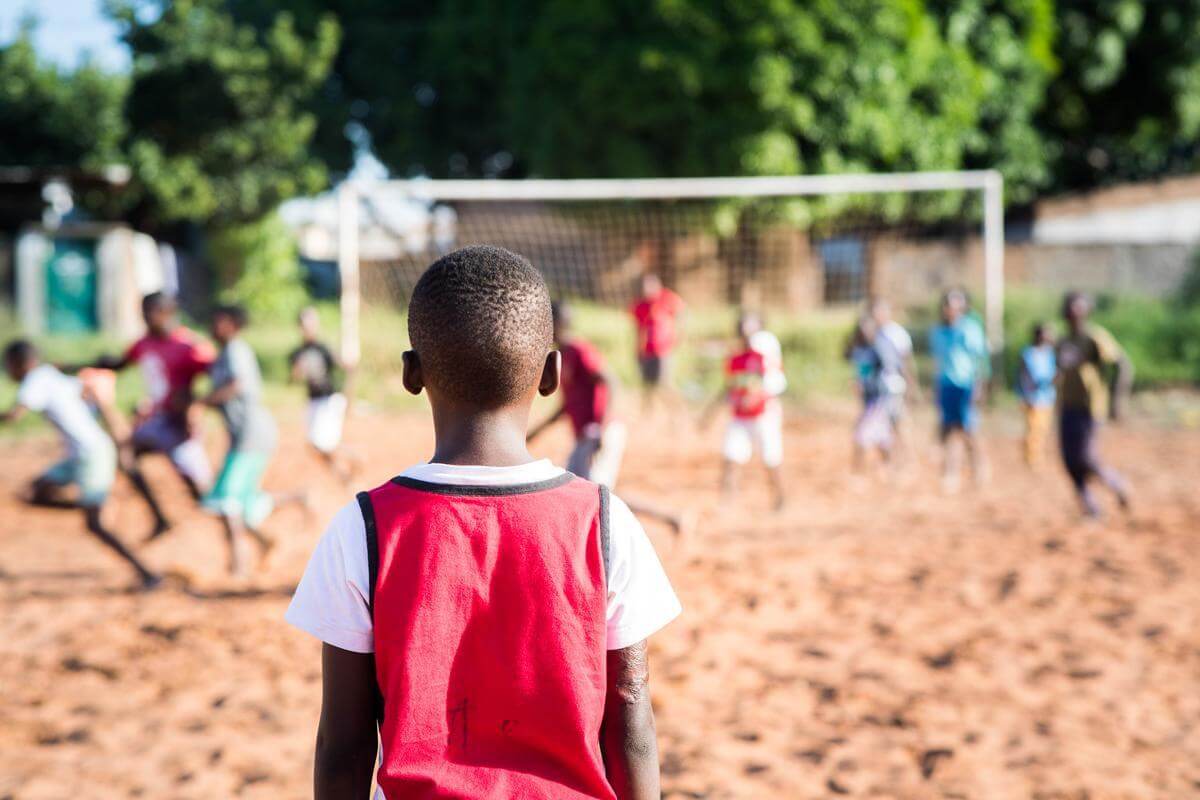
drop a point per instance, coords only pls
(412, 378)
(550, 372)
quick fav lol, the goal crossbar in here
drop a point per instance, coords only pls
(988, 182)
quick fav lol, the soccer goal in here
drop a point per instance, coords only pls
(795, 247)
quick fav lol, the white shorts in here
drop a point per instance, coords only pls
(763, 433)
(599, 459)
(325, 418)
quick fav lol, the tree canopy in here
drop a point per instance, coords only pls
(51, 117)
(217, 108)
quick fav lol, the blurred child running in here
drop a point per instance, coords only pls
(484, 615)
(754, 380)
(960, 353)
(899, 380)
(1035, 387)
(1086, 398)
(171, 357)
(869, 358)
(314, 364)
(236, 392)
(89, 464)
(587, 390)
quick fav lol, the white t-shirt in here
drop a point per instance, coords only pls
(331, 601)
(895, 347)
(60, 398)
(767, 345)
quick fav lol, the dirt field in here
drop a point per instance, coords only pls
(875, 640)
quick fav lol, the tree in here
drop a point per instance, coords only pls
(1126, 104)
(50, 117)
(219, 129)
(696, 87)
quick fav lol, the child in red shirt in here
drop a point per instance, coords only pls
(756, 416)
(488, 611)
(656, 314)
(171, 357)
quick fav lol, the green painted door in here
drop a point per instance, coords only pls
(71, 286)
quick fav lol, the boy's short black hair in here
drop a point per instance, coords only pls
(156, 300)
(480, 323)
(236, 314)
(20, 351)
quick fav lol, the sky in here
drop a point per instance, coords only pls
(67, 30)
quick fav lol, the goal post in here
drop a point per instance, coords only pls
(411, 222)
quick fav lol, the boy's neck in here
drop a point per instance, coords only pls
(493, 438)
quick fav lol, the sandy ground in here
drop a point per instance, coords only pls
(877, 639)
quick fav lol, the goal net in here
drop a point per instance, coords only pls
(805, 251)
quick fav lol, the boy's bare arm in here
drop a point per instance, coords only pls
(347, 738)
(628, 738)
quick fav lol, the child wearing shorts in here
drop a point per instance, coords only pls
(960, 354)
(313, 364)
(484, 615)
(236, 392)
(753, 383)
(90, 463)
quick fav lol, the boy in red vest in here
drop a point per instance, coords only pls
(656, 314)
(488, 611)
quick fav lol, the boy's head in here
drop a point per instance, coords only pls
(651, 285)
(1043, 334)
(20, 356)
(954, 305)
(158, 312)
(864, 332)
(227, 322)
(561, 312)
(481, 330)
(310, 323)
(1076, 308)
(748, 324)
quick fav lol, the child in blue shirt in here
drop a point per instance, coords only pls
(960, 353)
(1035, 387)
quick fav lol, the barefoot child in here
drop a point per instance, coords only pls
(753, 383)
(656, 315)
(91, 457)
(314, 364)
(1086, 399)
(488, 611)
(171, 357)
(586, 389)
(874, 429)
(1035, 387)
(960, 355)
(236, 393)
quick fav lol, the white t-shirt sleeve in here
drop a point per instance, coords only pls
(331, 602)
(35, 390)
(640, 598)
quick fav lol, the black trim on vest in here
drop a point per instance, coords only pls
(368, 515)
(604, 537)
(372, 537)
(483, 491)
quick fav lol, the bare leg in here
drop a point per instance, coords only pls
(729, 476)
(775, 476)
(951, 461)
(644, 508)
(133, 471)
(148, 578)
(236, 541)
(976, 458)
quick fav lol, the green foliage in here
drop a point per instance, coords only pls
(1125, 104)
(257, 266)
(50, 117)
(216, 109)
(699, 87)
